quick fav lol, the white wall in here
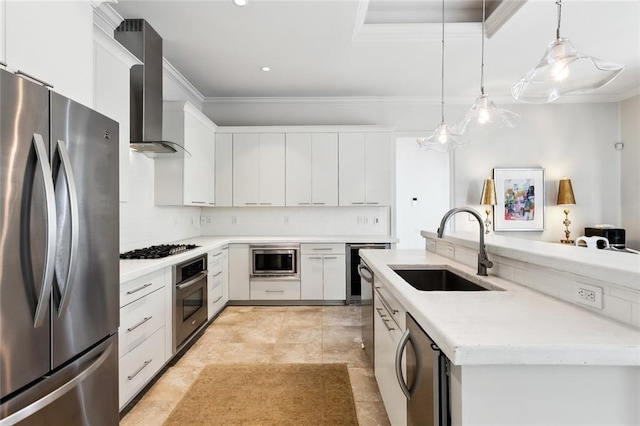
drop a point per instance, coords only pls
(572, 140)
(329, 221)
(141, 222)
(425, 176)
(630, 170)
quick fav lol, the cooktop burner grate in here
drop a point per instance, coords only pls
(156, 252)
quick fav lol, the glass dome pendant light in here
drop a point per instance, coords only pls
(484, 112)
(563, 70)
(443, 138)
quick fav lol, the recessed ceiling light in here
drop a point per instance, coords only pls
(265, 69)
(240, 2)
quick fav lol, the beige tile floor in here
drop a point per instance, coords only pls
(313, 334)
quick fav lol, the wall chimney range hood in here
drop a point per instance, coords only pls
(146, 90)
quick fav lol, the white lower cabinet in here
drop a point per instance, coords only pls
(275, 290)
(142, 334)
(239, 264)
(216, 281)
(387, 334)
(323, 272)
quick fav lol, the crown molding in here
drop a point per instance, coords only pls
(502, 13)
(176, 76)
(105, 16)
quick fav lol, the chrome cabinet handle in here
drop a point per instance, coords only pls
(147, 362)
(380, 313)
(215, 301)
(217, 275)
(192, 281)
(199, 202)
(50, 251)
(142, 287)
(331, 257)
(265, 204)
(30, 77)
(140, 323)
(322, 248)
(274, 291)
(385, 303)
(318, 204)
(386, 324)
(399, 350)
(304, 204)
(373, 202)
(216, 255)
(74, 215)
(58, 393)
(315, 257)
(250, 204)
(358, 203)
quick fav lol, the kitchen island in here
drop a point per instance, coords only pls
(518, 356)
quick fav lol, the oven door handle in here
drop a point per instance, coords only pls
(192, 281)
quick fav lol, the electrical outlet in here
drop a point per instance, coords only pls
(234, 220)
(286, 220)
(203, 220)
(589, 295)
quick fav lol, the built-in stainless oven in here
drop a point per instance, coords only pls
(276, 261)
(190, 299)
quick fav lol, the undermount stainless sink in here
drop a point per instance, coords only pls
(436, 280)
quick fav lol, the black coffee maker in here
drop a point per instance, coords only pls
(615, 236)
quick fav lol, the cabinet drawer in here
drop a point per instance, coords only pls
(322, 248)
(275, 290)
(140, 365)
(140, 319)
(135, 289)
(215, 262)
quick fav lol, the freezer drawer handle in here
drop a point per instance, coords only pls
(399, 350)
(142, 287)
(140, 323)
(58, 393)
(147, 362)
(50, 202)
(73, 206)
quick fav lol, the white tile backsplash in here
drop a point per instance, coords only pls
(296, 221)
(142, 223)
(620, 304)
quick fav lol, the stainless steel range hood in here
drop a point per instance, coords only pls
(146, 90)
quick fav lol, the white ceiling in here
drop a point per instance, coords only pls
(313, 48)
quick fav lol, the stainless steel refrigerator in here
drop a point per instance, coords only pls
(59, 268)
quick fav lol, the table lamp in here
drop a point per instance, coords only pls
(566, 198)
(488, 198)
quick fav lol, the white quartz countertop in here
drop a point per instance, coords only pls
(514, 326)
(132, 269)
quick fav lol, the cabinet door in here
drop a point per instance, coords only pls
(351, 169)
(334, 273)
(272, 167)
(198, 171)
(311, 277)
(52, 41)
(385, 343)
(324, 169)
(224, 170)
(239, 271)
(246, 174)
(378, 159)
(298, 169)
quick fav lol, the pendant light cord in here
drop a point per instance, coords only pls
(442, 70)
(559, 3)
(482, 52)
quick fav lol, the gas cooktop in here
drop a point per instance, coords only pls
(156, 252)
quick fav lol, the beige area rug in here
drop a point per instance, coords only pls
(268, 394)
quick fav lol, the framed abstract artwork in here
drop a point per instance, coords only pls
(520, 199)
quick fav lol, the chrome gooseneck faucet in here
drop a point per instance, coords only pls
(483, 260)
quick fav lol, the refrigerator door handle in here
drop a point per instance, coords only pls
(58, 393)
(73, 206)
(400, 349)
(50, 203)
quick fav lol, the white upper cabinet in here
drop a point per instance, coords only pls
(312, 169)
(258, 169)
(188, 180)
(365, 169)
(53, 42)
(224, 170)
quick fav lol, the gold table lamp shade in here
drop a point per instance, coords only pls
(488, 196)
(565, 192)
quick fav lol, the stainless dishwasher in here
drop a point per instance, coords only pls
(354, 289)
(366, 279)
(427, 381)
